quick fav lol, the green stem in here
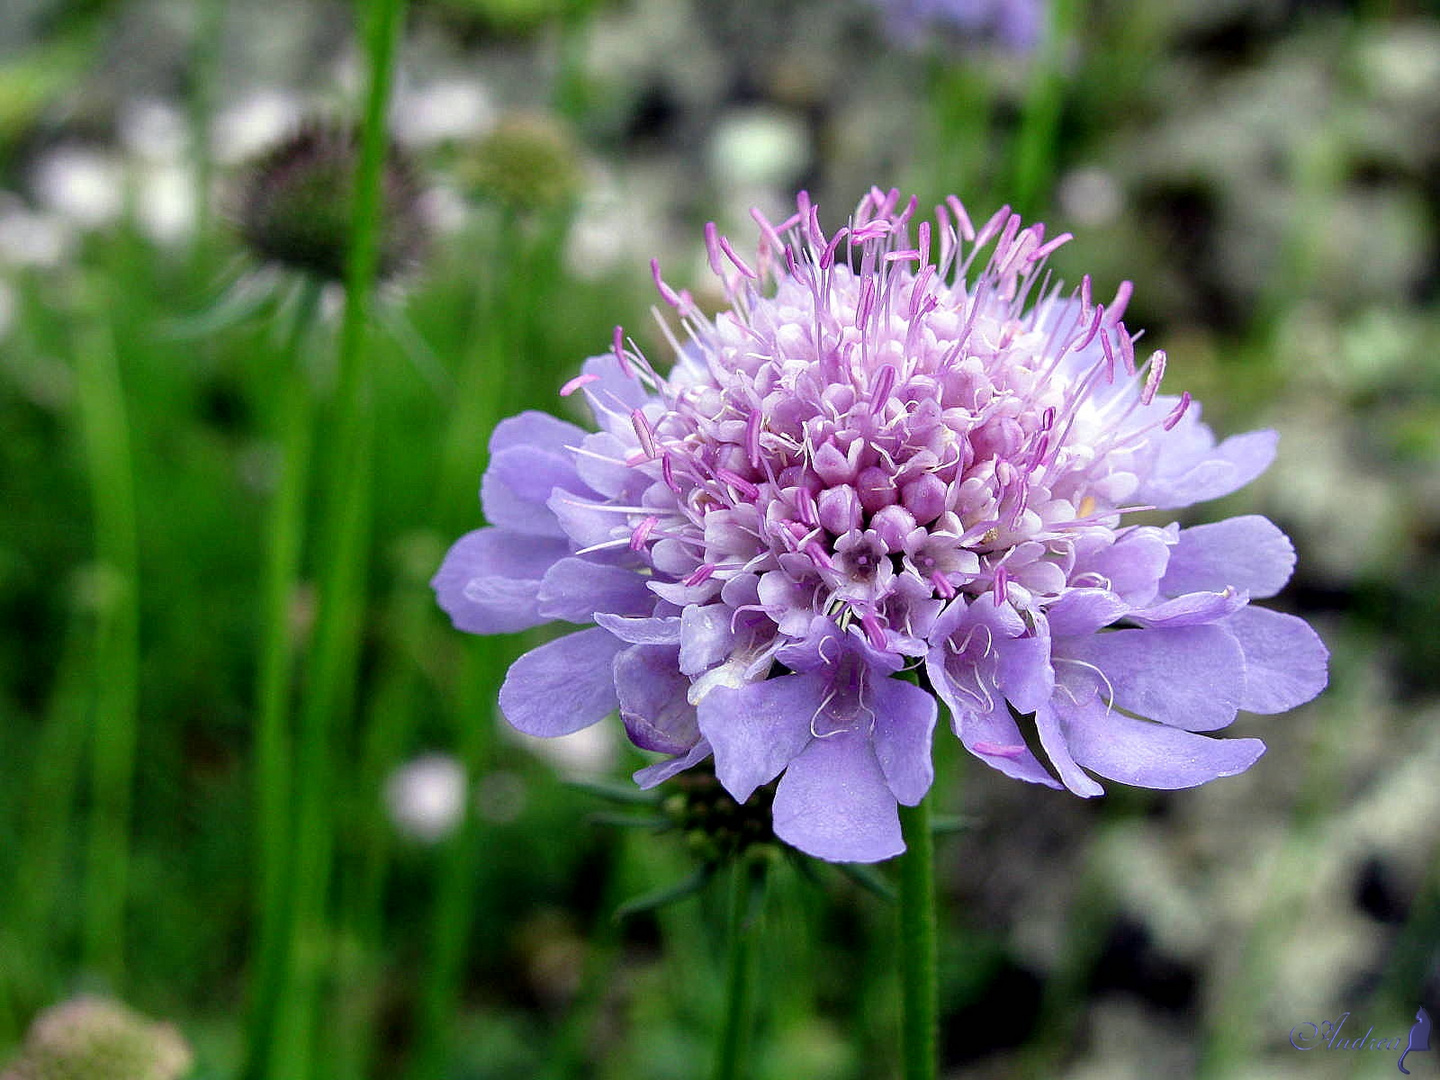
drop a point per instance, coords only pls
(919, 985)
(204, 66)
(1034, 158)
(273, 783)
(343, 550)
(739, 970)
(117, 660)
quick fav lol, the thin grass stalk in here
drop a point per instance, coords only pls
(919, 987)
(106, 435)
(343, 549)
(274, 786)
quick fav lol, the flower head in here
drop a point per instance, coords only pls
(890, 463)
(296, 202)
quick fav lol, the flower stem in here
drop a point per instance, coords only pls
(745, 887)
(341, 609)
(919, 986)
(273, 782)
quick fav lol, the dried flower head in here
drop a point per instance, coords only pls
(296, 202)
(892, 469)
(93, 1039)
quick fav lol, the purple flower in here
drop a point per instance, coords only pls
(1015, 24)
(890, 471)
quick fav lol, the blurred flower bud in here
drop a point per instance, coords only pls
(528, 163)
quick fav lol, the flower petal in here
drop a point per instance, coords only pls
(584, 521)
(518, 483)
(1133, 565)
(1054, 738)
(490, 577)
(1285, 660)
(574, 589)
(1144, 754)
(1081, 612)
(562, 686)
(756, 730)
(653, 706)
(535, 430)
(1191, 677)
(833, 802)
(1026, 677)
(994, 737)
(1248, 553)
(661, 771)
(705, 636)
(1192, 609)
(904, 724)
(646, 631)
(1191, 469)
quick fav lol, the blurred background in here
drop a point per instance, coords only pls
(1267, 172)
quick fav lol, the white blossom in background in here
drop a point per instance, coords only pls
(81, 184)
(426, 797)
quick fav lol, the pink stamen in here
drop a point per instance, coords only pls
(817, 555)
(617, 345)
(738, 482)
(1177, 412)
(967, 230)
(740, 264)
(642, 532)
(669, 295)
(1046, 249)
(577, 382)
(1122, 299)
(1084, 342)
(766, 229)
(701, 575)
(827, 257)
(643, 433)
(1152, 379)
(997, 749)
(884, 383)
(942, 585)
(1002, 586)
(873, 629)
(752, 436)
(712, 248)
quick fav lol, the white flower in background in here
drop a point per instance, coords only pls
(30, 238)
(253, 125)
(82, 185)
(443, 111)
(165, 203)
(426, 797)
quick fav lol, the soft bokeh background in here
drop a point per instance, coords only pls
(1266, 172)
